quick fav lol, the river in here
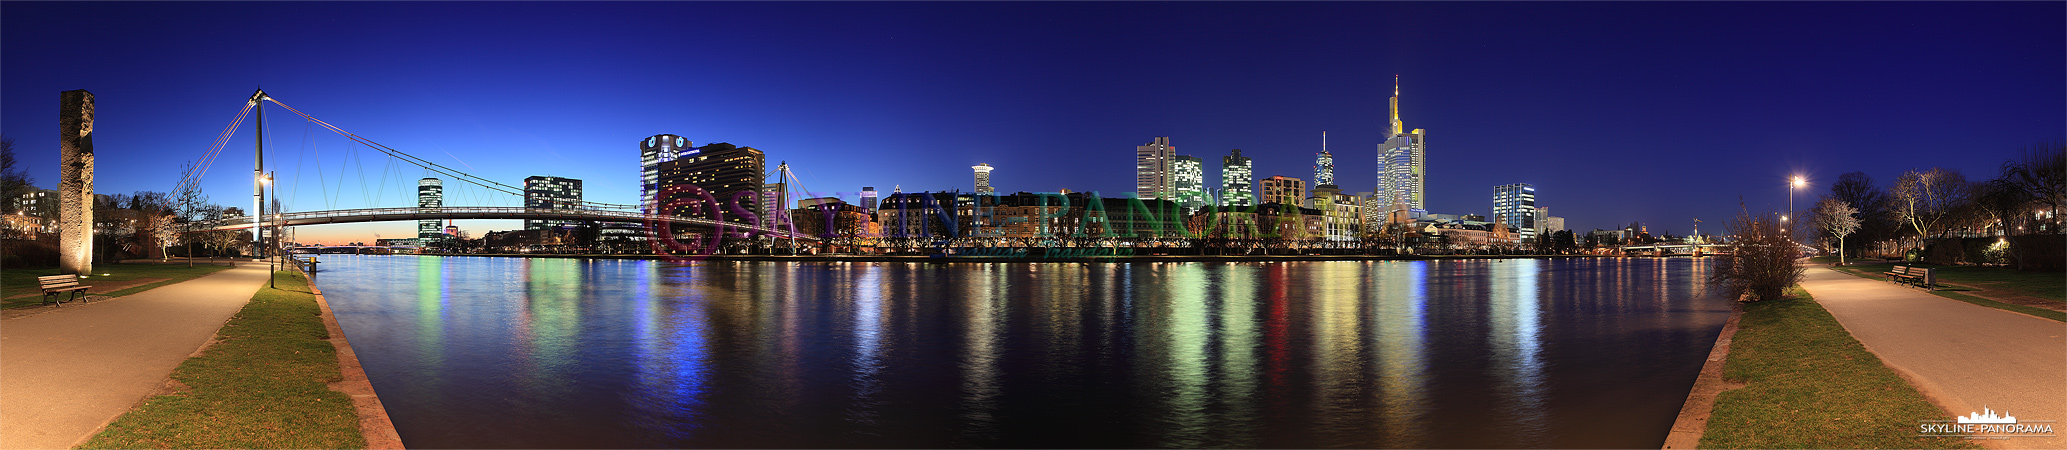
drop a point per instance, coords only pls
(477, 352)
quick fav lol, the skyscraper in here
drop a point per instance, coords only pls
(1402, 163)
(1152, 169)
(983, 179)
(868, 199)
(731, 175)
(430, 193)
(542, 192)
(1236, 175)
(1283, 190)
(1515, 205)
(1324, 165)
(774, 204)
(654, 150)
(1187, 182)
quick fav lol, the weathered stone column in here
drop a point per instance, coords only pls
(75, 190)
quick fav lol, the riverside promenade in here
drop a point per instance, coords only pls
(1962, 356)
(66, 372)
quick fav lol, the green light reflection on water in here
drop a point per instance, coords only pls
(430, 315)
(552, 309)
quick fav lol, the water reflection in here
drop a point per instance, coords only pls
(1401, 366)
(571, 353)
(1517, 349)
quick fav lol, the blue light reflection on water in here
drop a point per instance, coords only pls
(494, 352)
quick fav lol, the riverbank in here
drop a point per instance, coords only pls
(995, 259)
(1807, 383)
(262, 383)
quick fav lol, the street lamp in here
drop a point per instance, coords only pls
(258, 216)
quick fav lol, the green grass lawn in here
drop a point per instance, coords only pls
(262, 385)
(1966, 278)
(1809, 384)
(17, 281)
(2045, 285)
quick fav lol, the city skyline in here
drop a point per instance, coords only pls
(873, 94)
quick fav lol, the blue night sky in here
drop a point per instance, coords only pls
(1616, 112)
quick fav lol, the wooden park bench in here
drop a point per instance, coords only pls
(58, 284)
(1919, 276)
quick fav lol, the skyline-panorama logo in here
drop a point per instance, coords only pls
(1986, 424)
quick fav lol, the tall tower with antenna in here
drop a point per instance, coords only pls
(1324, 165)
(1402, 165)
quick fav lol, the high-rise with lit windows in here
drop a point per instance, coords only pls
(1402, 163)
(1237, 177)
(1515, 205)
(1187, 181)
(731, 175)
(653, 151)
(1324, 165)
(1152, 169)
(983, 179)
(542, 192)
(430, 193)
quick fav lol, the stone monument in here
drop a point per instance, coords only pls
(75, 189)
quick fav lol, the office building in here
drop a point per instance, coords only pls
(1402, 163)
(544, 192)
(1237, 174)
(774, 204)
(1152, 169)
(1187, 181)
(656, 149)
(868, 199)
(1283, 190)
(731, 175)
(1515, 206)
(983, 179)
(430, 193)
(1324, 165)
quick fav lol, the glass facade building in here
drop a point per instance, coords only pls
(1515, 205)
(430, 193)
(544, 192)
(1237, 176)
(653, 151)
(1403, 163)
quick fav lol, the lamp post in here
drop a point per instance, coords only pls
(1796, 182)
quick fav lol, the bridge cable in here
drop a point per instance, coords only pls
(193, 172)
(433, 166)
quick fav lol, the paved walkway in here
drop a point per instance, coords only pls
(65, 373)
(1963, 356)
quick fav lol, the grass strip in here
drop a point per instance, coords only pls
(1955, 294)
(1809, 384)
(263, 384)
(17, 281)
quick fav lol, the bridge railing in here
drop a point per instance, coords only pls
(302, 217)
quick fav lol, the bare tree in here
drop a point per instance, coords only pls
(166, 232)
(1837, 219)
(14, 180)
(1923, 200)
(2041, 174)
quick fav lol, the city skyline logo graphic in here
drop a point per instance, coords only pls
(1987, 424)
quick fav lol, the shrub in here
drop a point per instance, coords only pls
(1761, 263)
